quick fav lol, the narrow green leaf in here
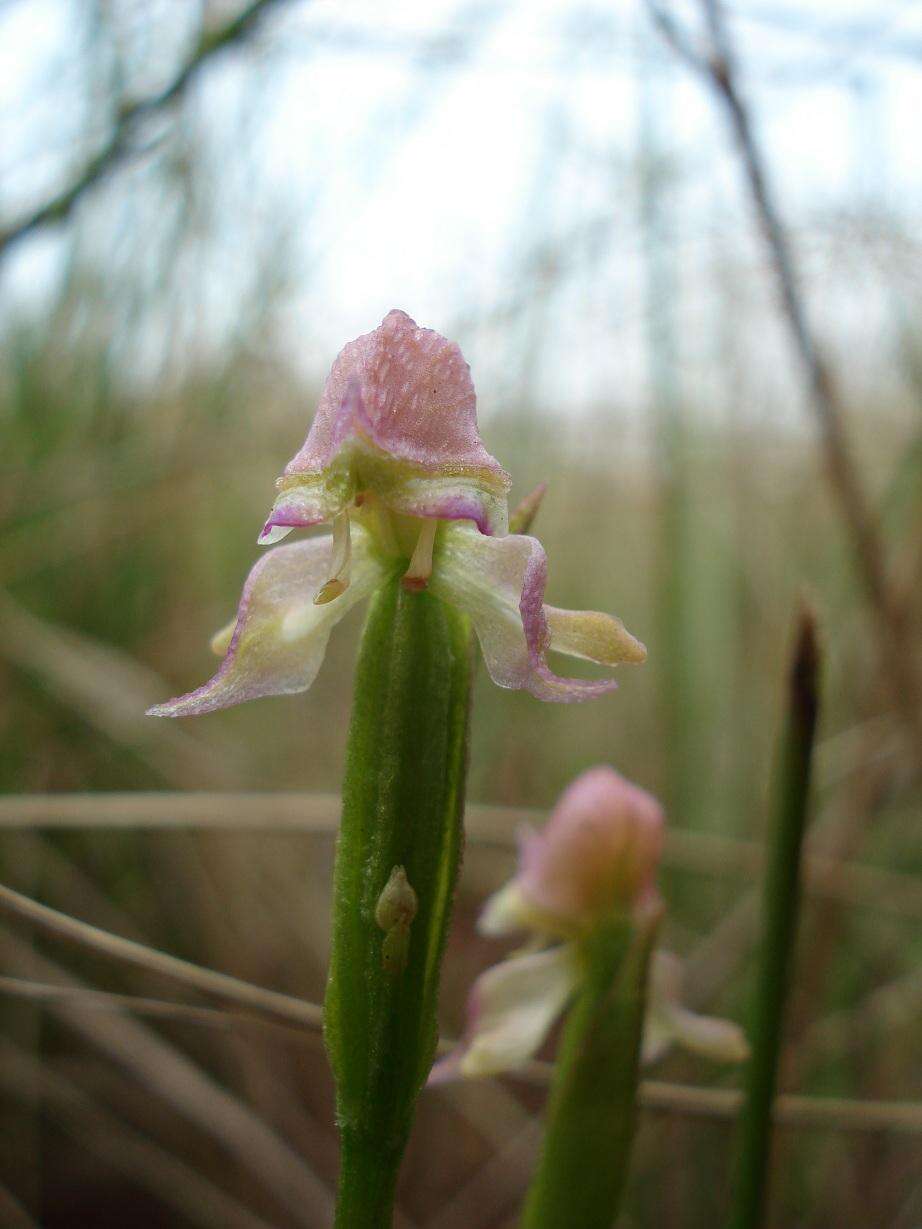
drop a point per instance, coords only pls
(779, 925)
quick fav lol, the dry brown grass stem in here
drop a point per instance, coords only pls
(117, 1143)
(848, 882)
(686, 1099)
(717, 67)
(173, 1078)
(209, 981)
(12, 1214)
(84, 999)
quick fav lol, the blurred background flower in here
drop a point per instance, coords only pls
(199, 203)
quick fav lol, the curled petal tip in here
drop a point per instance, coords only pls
(500, 583)
(594, 636)
(635, 650)
(504, 912)
(272, 533)
(220, 641)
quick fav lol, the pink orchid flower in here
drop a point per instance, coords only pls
(395, 463)
(595, 858)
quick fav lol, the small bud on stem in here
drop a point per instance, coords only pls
(397, 903)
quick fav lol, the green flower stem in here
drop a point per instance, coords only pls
(779, 924)
(591, 1114)
(403, 798)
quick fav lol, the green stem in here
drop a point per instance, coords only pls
(403, 797)
(367, 1179)
(591, 1114)
(779, 924)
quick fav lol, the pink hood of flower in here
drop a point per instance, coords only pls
(397, 417)
(409, 391)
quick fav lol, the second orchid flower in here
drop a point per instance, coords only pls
(596, 857)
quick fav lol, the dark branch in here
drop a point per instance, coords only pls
(122, 143)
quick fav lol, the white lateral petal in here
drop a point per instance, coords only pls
(670, 1023)
(280, 635)
(500, 583)
(709, 1036)
(510, 1011)
(505, 912)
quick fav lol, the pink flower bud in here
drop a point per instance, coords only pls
(598, 852)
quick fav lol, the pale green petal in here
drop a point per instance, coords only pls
(668, 1022)
(593, 636)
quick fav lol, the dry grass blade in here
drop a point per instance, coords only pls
(833, 1113)
(208, 980)
(488, 826)
(496, 1186)
(110, 690)
(793, 1110)
(12, 1214)
(174, 1078)
(42, 993)
(717, 67)
(116, 1143)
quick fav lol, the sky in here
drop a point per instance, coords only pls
(476, 164)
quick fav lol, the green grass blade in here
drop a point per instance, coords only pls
(779, 926)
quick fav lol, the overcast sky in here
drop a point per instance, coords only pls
(432, 158)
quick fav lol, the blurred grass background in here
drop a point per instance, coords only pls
(693, 505)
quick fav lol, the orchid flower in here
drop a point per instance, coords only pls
(395, 464)
(596, 857)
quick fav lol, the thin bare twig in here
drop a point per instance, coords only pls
(717, 67)
(123, 142)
